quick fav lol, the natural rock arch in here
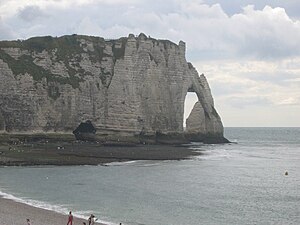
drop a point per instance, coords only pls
(129, 86)
(203, 123)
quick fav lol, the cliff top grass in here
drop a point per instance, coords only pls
(64, 49)
(69, 44)
(66, 46)
(67, 49)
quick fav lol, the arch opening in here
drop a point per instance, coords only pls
(190, 99)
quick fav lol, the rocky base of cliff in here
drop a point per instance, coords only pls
(119, 139)
(206, 138)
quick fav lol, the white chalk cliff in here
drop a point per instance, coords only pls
(133, 86)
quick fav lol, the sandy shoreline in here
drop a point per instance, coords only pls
(15, 213)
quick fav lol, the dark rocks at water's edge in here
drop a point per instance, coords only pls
(131, 90)
(207, 139)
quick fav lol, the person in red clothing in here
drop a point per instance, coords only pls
(70, 220)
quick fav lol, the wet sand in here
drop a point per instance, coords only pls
(87, 153)
(14, 213)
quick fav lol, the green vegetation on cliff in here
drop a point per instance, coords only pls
(25, 65)
(67, 49)
(68, 46)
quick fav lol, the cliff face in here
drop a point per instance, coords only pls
(131, 86)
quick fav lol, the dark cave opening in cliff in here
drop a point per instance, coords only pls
(85, 131)
(190, 99)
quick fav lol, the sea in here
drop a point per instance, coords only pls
(243, 182)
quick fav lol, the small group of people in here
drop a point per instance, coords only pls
(91, 219)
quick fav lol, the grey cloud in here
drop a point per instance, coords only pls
(208, 31)
(6, 32)
(221, 89)
(256, 34)
(232, 7)
(30, 13)
(281, 78)
(243, 102)
(267, 34)
(291, 101)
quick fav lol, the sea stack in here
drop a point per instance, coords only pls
(130, 89)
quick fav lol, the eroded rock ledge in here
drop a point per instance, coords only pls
(131, 89)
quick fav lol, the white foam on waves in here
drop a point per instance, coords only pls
(138, 163)
(61, 209)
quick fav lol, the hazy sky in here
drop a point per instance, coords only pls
(249, 50)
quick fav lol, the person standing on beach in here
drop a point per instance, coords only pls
(28, 221)
(91, 220)
(70, 219)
